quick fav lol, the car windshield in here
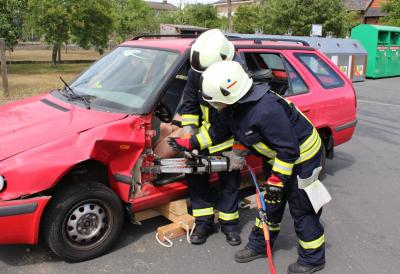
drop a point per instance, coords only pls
(124, 79)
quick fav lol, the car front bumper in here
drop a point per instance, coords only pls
(20, 220)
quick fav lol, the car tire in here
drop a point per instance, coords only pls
(83, 221)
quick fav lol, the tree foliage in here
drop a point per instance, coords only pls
(201, 15)
(11, 19)
(88, 22)
(392, 7)
(134, 17)
(297, 16)
(172, 17)
(52, 18)
(247, 19)
(92, 23)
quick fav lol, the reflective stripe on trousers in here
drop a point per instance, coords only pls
(228, 216)
(210, 211)
(271, 226)
(313, 244)
(198, 212)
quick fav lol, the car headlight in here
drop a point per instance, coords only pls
(2, 183)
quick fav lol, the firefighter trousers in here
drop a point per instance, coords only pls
(310, 232)
(203, 200)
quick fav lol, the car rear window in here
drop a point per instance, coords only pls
(322, 71)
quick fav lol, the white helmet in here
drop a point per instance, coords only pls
(225, 82)
(210, 47)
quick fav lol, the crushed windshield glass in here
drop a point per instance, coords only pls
(125, 78)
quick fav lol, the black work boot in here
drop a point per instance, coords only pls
(233, 238)
(246, 255)
(296, 268)
(200, 235)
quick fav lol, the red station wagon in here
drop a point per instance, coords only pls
(70, 161)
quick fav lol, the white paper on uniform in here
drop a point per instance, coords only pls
(316, 191)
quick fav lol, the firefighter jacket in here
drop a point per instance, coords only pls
(270, 126)
(196, 112)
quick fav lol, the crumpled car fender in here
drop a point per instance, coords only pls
(117, 145)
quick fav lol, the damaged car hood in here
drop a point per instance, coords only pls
(42, 119)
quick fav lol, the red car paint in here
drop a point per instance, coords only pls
(22, 228)
(40, 144)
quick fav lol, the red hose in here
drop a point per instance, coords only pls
(270, 261)
(266, 236)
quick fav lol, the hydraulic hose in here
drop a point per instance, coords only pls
(263, 217)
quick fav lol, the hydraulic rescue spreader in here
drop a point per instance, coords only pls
(195, 165)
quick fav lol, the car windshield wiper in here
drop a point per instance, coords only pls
(72, 94)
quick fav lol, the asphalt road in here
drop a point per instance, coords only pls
(362, 222)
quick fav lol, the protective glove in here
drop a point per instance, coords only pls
(180, 144)
(236, 162)
(274, 190)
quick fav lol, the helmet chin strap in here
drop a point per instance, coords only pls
(218, 106)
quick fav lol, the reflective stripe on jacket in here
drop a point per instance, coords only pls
(272, 127)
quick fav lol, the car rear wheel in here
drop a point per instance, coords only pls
(83, 221)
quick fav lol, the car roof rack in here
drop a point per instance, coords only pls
(258, 40)
(183, 35)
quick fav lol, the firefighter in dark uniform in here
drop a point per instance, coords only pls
(290, 146)
(197, 117)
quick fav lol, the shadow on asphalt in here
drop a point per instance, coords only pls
(23, 255)
(341, 160)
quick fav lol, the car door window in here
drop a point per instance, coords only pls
(297, 85)
(285, 79)
(325, 75)
(277, 79)
(173, 95)
(273, 61)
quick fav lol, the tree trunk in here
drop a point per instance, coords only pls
(54, 55)
(229, 2)
(3, 62)
(59, 54)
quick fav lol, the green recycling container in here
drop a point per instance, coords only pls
(383, 46)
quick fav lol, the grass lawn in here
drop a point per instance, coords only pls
(45, 55)
(25, 80)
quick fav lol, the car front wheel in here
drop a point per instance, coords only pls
(83, 221)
